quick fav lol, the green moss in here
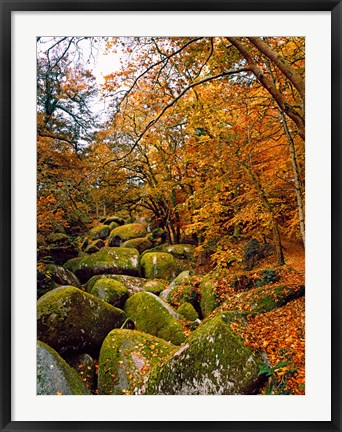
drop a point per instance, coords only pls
(269, 299)
(73, 321)
(213, 360)
(127, 232)
(106, 261)
(113, 225)
(180, 250)
(187, 311)
(158, 265)
(111, 291)
(117, 219)
(126, 357)
(154, 287)
(57, 237)
(133, 284)
(152, 316)
(140, 244)
(99, 232)
(183, 289)
(208, 299)
(54, 375)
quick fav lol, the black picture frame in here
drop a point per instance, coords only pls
(7, 7)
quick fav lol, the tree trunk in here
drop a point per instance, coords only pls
(268, 206)
(297, 183)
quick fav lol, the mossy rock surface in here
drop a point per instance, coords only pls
(55, 376)
(99, 232)
(180, 250)
(127, 232)
(57, 237)
(208, 301)
(113, 225)
(213, 361)
(50, 276)
(187, 311)
(117, 219)
(133, 284)
(126, 357)
(141, 244)
(111, 291)
(154, 287)
(106, 261)
(72, 321)
(155, 317)
(159, 265)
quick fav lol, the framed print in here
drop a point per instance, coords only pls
(170, 203)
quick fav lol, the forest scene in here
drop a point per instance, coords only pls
(170, 216)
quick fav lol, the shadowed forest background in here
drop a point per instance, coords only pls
(181, 177)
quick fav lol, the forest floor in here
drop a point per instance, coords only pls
(279, 333)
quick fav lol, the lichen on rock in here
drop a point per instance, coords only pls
(213, 360)
(126, 357)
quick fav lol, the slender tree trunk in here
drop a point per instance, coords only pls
(268, 206)
(297, 183)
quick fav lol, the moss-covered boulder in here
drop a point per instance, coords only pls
(127, 232)
(154, 286)
(183, 289)
(111, 291)
(159, 265)
(208, 298)
(213, 361)
(109, 220)
(141, 244)
(99, 232)
(58, 250)
(182, 251)
(73, 321)
(187, 311)
(55, 376)
(126, 357)
(152, 315)
(106, 261)
(50, 276)
(84, 365)
(133, 284)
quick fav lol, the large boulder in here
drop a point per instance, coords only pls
(152, 315)
(99, 232)
(158, 265)
(55, 376)
(213, 361)
(187, 311)
(127, 232)
(141, 244)
(111, 291)
(50, 276)
(106, 261)
(133, 284)
(126, 357)
(73, 321)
